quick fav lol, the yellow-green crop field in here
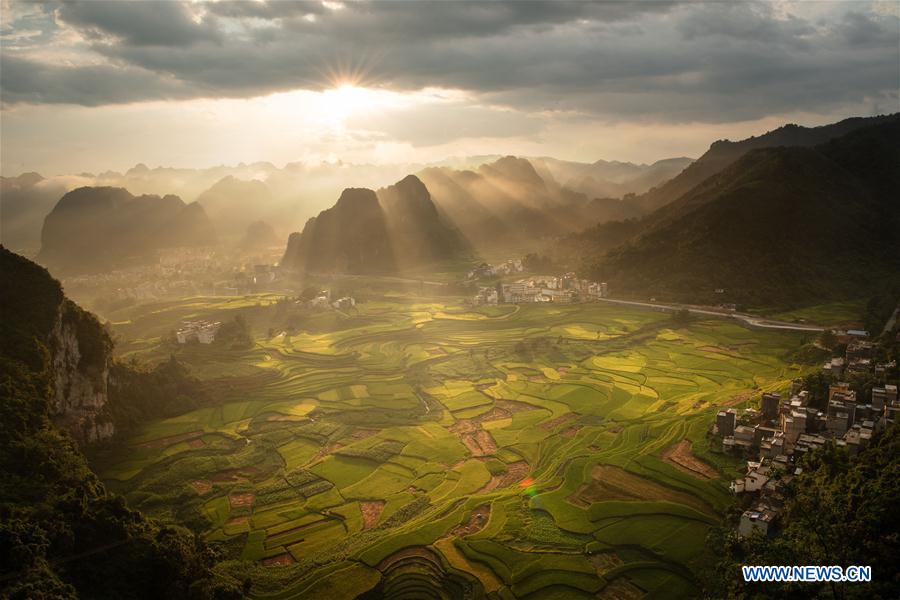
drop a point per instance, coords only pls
(412, 447)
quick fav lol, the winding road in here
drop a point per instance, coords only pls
(751, 320)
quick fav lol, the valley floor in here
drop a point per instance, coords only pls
(415, 445)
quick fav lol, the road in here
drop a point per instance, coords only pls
(751, 320)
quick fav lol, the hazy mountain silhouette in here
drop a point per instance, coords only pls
(231, 203)
(364, 232)
(96, 228)
(24, 202)
(259, 234)
(610, 179)
(507, 203)
(778, 225)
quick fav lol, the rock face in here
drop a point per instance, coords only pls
(80, 362)
(48, 333)
(396, 228)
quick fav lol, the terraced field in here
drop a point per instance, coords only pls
(414, 448)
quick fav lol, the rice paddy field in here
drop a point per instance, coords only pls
(418, 448)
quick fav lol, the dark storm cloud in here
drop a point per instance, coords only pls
(29, 81)
(392, 21)
(137, 23)
(862, 30)
(747, 22)
(676, 62)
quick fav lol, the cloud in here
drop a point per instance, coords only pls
(612, 60)
(138, 23)
(859, 29)
(433, 124)
(33, 82)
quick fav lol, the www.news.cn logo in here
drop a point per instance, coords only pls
(784, 573)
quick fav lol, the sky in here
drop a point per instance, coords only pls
(93, 85)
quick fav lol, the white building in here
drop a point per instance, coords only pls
(200, 331)
(345, 303)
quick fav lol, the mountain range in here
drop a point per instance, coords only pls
(777, 225)
(724, 152)
(97, 228)
(366, 232)
(609, 179)
(658, 242)
(508, 204)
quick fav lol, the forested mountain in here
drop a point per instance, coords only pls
(364, 232)
(62, 535)
(92, 228)
(778, 225)
(724, 152)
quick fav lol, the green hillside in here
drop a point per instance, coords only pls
(62, 535)
(780, 225)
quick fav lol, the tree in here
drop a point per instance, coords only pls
(682, 317)
(828, 339)
(840, 511)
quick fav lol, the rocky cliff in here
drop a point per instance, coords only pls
(366, 232)
(47, 331)
(79, 370)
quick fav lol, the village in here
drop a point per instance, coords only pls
(774, 437)
(564, 289)
(176, 273)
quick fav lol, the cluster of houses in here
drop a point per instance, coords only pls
(197, 331)
(859, 359)
(774, 437)
(177, 273)
(484, 270)
(323, 300)
(563, 290)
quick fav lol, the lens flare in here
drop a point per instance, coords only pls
(528, 486)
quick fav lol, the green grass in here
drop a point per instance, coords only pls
(835, 313)
(365, 409)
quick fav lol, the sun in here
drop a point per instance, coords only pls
(347, 100)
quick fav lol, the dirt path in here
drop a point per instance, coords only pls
(680, 456)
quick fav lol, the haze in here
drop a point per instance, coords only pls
(93, 86)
